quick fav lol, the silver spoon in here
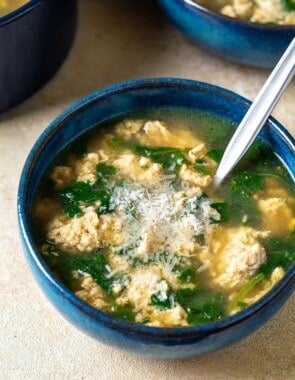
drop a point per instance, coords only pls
(258, 113)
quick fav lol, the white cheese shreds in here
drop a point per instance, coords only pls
(203, 267)
(157, 220)
(162, 288)
(110, 273)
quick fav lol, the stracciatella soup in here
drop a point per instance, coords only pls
(128, 220)
(280, 12)
(7, 6)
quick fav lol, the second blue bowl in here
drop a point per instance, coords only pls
(254, 44)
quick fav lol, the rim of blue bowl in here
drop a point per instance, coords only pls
(20, 11)
(103, 318)
(255, 25)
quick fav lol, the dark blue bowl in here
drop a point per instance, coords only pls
(104, 105)
(254, 44)
(34, 41)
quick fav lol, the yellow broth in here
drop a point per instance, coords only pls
(128, 219)
(7, 6)
(280, 12)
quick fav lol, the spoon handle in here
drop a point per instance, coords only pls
(258, 113)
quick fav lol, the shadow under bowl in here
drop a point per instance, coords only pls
(118, 101)
(258, 45)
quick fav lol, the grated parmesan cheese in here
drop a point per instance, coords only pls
(157, 222)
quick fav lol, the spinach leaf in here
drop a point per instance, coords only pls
(105, 171)
(188, 274)
(86, 193)
(80, 192)
(222, 209)
(215, 154)
(257, 153)
(289, 5)
(209, 313)
(265, 163)
(161, 304)
(57, 262)
(170, 158)
(123, 312)
(239, 297)
(96, 267)
(246, 183)
(201, 304)
(93, 264)
(240, 197)
(280, 253)
(72, 211)
(203, 167)
(105, 200)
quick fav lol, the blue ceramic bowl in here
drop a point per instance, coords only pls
(118, 101)
(34, 41)
(254, 44)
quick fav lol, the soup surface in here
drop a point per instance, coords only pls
(7, 6)
(128, 219)
(280, 12)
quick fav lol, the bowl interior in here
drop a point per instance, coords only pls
(194, 6)
(121, 100)
(118, 101)
(18, 11)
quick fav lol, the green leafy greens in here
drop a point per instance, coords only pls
(160, 303)
(222, 209)
(124, 312)
(203, 167)
(289, 4)
(238, 299)
(215, 154)
(85, 193)
(93, 264)
(105, 171)
(170, 158)
(201, 304)
(188, 274)
(280, 253)
(240, 197)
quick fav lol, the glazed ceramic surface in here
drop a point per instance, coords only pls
(104, 105)
(34, 41)
(259, 45)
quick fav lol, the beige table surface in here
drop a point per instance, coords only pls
(116, 40)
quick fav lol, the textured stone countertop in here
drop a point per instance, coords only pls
(116, 41)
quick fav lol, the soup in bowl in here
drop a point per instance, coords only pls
(280, 12)
(236, 30)
(7, 6)
(128, 237)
